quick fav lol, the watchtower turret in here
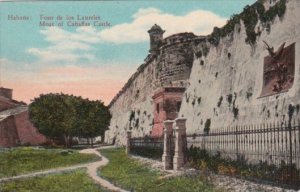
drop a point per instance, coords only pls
(156, 37)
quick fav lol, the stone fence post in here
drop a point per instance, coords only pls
(128, 137)
(166, 157)
(180, 132)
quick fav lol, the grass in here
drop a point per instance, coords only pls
(73, 181)
(282, 173)
(133, 176)
(27, 159)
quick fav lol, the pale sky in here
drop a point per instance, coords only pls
(92, 61)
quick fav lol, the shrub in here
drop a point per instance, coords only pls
(220, 101)
(207, 126)
(229, 98)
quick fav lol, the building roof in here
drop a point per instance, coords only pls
(155, 27)
(13, 111)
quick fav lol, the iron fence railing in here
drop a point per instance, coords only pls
(273, 148)
(151, 147)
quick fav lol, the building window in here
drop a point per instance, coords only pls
(157, 107)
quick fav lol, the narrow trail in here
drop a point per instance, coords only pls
(91, 170)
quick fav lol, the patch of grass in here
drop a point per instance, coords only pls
(27, 159)
(282, 173)
(73, 181)
(148, 152)
(132, 175)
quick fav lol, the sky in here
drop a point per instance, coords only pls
(43, 50)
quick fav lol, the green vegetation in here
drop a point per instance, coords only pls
(249, 94)
(92, 118)
(203, 160)
(199, 100)
(131, 117)
(194, 101)
(220, 101)
(235, 112)
(24, 160)
(62, 116)
(250, 16)
(148, 152)
(207, 126)
(74, 181)
(229, 99)
(132, 175)
(198, 54)
(202, 62)
(205, 50)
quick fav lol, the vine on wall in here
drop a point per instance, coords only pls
(250, 16)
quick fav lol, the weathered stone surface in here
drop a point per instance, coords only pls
(133, 107)
(225, 81)
(166, 105)
(238, 79)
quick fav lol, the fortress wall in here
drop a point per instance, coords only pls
(225, 84)
(236, 68)
(133, 108)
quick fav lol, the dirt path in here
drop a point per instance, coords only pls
(91, 170)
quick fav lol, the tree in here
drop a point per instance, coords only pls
(54, 115)
(93, 118)
(65, 116)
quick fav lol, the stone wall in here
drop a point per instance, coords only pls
(225, 84)
(132, 108)
(229, 80)
(175, 60)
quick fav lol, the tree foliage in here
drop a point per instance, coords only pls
(92, 118)
(65, 116)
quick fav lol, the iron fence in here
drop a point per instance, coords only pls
(151, 147)
(269, 151)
